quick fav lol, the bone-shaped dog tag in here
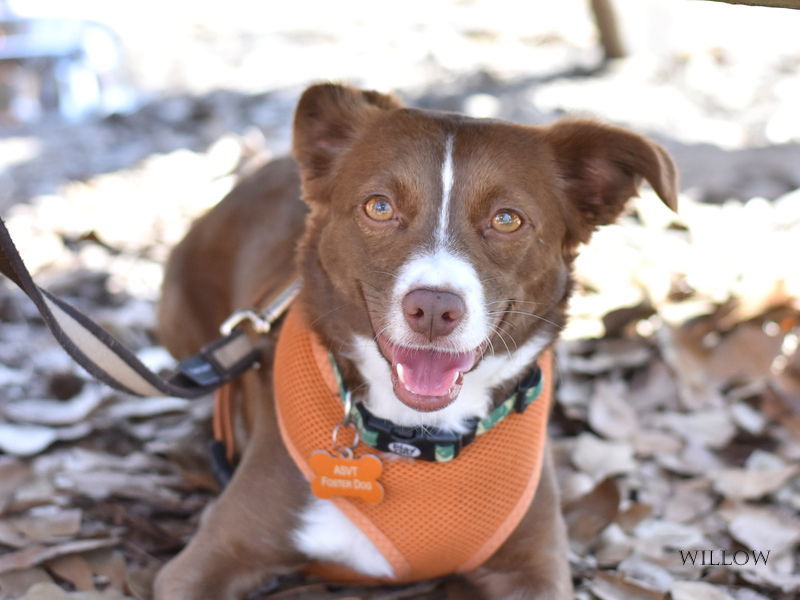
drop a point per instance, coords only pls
(353, 477)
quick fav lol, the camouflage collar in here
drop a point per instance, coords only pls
(433, 444)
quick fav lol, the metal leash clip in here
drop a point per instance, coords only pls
(259, 324)
(262, 322)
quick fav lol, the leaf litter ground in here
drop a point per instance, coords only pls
(677, 428)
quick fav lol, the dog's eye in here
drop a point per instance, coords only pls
(379, 208)
(506, 221)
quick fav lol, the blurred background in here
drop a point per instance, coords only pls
(679, 410)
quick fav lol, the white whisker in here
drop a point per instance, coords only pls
(527, 314)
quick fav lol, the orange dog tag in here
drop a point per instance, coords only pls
(339, 476)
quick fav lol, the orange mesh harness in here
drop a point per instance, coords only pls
(435, 518)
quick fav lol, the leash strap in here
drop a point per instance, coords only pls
(104, 357)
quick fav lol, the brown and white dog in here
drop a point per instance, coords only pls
(436, 252)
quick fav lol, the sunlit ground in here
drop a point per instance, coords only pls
(679, 405)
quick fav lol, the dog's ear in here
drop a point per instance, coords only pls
(601, 167)
(327, 119)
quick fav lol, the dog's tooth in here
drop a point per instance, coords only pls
(400, 373)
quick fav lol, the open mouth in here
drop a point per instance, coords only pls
(428, 379)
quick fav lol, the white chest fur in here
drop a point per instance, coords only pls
(326, 534)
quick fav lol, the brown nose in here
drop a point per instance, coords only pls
(433, 313)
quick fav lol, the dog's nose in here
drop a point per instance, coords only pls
(433, 313)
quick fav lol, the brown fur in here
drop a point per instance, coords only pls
(566, 179)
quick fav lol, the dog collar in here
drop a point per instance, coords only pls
(432, 444)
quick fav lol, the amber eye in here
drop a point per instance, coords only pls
(378, 208)
(506, 221)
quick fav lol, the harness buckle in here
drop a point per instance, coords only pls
(528, 390)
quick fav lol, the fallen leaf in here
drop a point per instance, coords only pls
(147, 407)
(36, 555)
(748, 418)
(744, 484)
(27, 440)
(56, 412)
(761, 460)
(613, 546)
(50, 591)
(600, 459)
(610, 411)
(573, 484)
(712, 428)
(786, 582)
(645, 572)
(647, 442)
(587, 516)
(761, 528)
(574, 392)
(693, 459)
(80, 460)
(633, 515)
(10, 536)
(75, 569)
(689, 500)
(748, 594)
(48, 523)
(139, 580)
(697, 590)
(103, 484)
(616, 320)
(13, 473)
(109, 566)
(609, 355)
(669, 534)
(12, 376)
(610, 586)
(37, 492)
(14, 584)
(745, 353)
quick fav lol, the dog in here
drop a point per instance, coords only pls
(435, 252)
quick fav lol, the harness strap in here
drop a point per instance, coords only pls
(223, 420)
(222, 449)
(108, 360)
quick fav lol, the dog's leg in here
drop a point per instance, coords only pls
(245, 537)
(532, 564)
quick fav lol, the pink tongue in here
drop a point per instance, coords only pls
(430, 373)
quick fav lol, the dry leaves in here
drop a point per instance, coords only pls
(677, 427)
(669, 438)
(701, 438)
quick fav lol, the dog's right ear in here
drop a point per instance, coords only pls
(326, 121)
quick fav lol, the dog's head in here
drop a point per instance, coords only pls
(438, 249)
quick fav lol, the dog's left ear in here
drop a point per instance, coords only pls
(601, 167)
(327, 120)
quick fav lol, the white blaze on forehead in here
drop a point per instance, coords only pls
(441, 267)
(447, 186)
